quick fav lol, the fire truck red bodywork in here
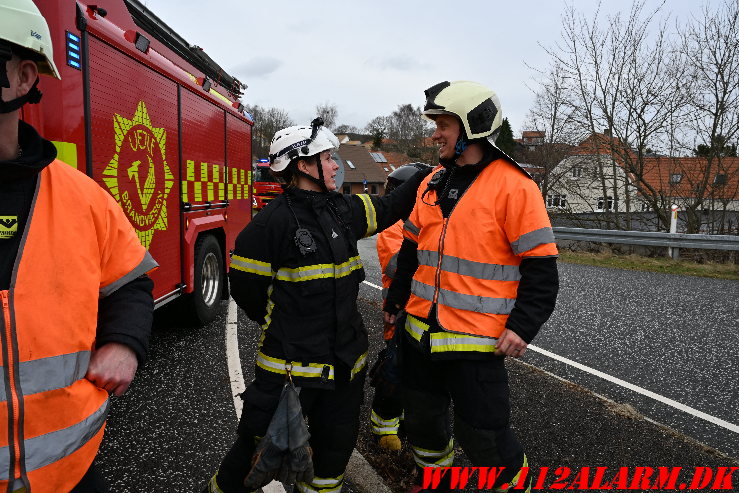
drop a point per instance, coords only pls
(171, 145)
(265, 187)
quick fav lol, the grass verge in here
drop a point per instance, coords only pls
(665, 265)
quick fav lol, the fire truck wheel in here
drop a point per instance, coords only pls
(209, 278)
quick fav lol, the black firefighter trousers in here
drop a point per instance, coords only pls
(333, 422)
(479, 390)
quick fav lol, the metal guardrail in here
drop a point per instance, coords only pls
(649, 238)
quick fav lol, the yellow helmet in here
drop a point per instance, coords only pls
(22, 24)
(474, 104)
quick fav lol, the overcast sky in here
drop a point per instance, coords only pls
(367, 57)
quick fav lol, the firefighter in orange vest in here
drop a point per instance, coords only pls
(478, 270)
(76, 301)
(387, 408)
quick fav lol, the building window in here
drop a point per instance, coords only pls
(720, 179)
(350, 164)
(575, 172)
(373, 189)
(605, 204)
(676, 178)
(378, 157)
(386, 170)
(347, 188)
(557, 200)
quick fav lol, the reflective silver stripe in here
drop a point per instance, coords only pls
(51, 447)
(392, 266)
(445, 342)
(359, 365)
(251, 266)
(532, 240)
(469, 302)
(434, 458)
(412, 228)
(415, 327)
(384, 426)
(144, 266)
(319, 271)
(479, 270)
(474, 303)
(55, 372)
(370, 214)
(277, 365)
(422, 290)
(321, 485)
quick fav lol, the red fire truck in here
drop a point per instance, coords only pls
(159, 125)
(266, 186)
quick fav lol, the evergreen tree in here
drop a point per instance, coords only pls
(505, 140)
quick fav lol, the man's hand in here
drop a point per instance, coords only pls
(390, 316)
(112, 367)
(510, 344)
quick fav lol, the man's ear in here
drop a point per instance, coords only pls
(28, 73)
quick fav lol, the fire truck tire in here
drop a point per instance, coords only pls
(209, 279)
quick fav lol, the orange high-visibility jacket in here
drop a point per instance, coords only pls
(468, 262)
(77, 247)
(388, 245)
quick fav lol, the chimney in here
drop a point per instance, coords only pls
(607, 131)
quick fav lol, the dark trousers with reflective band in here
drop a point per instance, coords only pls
(333, 422)
(387, 404)
(479, 390)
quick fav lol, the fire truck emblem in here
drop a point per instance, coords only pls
(138, 176)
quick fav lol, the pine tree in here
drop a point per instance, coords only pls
(505, 140)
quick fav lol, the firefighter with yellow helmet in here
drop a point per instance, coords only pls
(76, 301)
(477, 276)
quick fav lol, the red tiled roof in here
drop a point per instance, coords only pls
(659, 171)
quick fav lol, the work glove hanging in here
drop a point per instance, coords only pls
(284, 453)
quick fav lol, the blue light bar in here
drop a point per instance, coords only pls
(74, 55)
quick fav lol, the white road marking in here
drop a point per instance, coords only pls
(232, 357)
(639, 390)
(236, 376)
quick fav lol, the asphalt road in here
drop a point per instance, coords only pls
(170, 431)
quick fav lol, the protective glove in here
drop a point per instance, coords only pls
(284, 452)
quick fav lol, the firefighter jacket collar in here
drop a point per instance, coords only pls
(37, 154)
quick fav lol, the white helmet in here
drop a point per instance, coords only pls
(300, 141)
(474, 104)
(22, 24)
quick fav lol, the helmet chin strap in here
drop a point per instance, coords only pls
(320, 181)
(33, 96)
(461, 145)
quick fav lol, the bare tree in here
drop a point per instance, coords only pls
(628, 82)
(709, 43)
(378, 129)
(407, 127)
(346, 129)
(328, 112)
(267, 121)
(553, 114)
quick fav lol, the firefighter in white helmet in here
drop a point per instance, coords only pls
(477, 277)
(296, 271)
(76, 301)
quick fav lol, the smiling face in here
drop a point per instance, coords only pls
(329, 170)
(310, 167)
(446, 134)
